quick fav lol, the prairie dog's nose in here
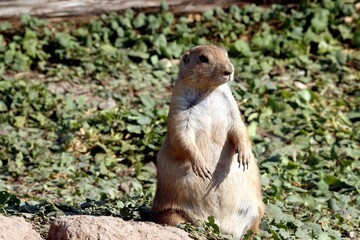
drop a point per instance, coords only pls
(228, 69)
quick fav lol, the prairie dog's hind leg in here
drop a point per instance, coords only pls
(171, 217)
(256, 225)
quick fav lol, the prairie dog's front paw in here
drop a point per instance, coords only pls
(244, 156)
(200, 169)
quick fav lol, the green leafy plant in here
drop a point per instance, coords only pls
(83, 110)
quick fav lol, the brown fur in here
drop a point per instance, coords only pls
(171, 217)
(205, 165)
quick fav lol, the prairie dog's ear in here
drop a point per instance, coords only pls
(185, 57)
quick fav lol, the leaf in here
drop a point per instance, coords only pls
(139, 20)
(344, 118)
(302, 234)
(8, 199)
(148, 102)
(154, 60)
(212, 225)
(285, 234)
(305, 95)
(344, 31)
(320, 20)
(309, 201)
(143, 120)
(242, 47)
(323, 186)
(275, 213)
(3, 107)
(134, 129)
(139, 54)
(20, 121)
(356, 38)
(40, 118)
(164, 6)
(252, 129)
(108, 50)
(294, 199)
(341, 57)
(103, 168)
(332, 180)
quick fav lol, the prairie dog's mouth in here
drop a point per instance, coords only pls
(221, 80)
(228, 78)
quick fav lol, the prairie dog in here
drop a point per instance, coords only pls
(205, 165)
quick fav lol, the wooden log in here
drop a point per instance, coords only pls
(12, 9)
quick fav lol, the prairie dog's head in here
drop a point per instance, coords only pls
(206, 66)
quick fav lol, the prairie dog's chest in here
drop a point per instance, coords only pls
(210, 110)
(220, 106)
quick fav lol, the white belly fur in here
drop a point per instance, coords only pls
(228, 195)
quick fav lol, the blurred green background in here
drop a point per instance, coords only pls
(83, 108)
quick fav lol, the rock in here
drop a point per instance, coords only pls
(125, 187)
(300, 85)
(108, 104)
(16, 228)
(110, 228)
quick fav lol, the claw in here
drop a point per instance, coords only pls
(243, 159)
(201, 171)
(244, 162)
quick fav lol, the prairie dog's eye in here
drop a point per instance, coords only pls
(185, 58)
(203, 59)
